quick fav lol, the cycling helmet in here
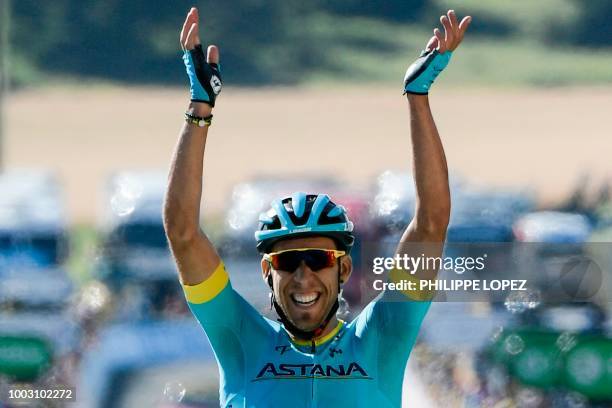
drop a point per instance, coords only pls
(303, 215)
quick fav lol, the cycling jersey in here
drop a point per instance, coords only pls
(358, 364)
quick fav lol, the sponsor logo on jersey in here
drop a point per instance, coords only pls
(271, 371)
(282, 349)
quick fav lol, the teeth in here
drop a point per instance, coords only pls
(305, 298)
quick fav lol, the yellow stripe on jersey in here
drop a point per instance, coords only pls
(208, 289)
(397, 275)
(320, 340)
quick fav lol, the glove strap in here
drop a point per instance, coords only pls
(422, 73)
(204, 78)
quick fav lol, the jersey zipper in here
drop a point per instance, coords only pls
(313, 401)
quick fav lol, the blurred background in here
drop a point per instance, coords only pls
(92, 98)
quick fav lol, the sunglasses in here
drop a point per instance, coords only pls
(315, 258)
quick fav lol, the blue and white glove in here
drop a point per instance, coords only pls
(204, 78)
(422, 73)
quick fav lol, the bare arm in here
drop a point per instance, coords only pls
(195, 255)
(430, 176)
(433, 204)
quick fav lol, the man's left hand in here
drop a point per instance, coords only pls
(453, 33)
(422, 73)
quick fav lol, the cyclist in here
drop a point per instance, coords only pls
(309, 358)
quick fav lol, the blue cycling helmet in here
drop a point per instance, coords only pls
(303, 215)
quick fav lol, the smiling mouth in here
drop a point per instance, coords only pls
(305, 300)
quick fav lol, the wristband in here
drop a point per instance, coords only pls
(198, 120)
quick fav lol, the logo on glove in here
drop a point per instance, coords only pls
(215, 84)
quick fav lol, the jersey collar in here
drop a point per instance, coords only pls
(319, 340)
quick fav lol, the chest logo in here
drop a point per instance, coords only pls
(282, 349)
(271, 371)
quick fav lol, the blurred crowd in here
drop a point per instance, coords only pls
(122, 334)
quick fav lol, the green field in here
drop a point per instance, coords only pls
(511, 43)
(515, 52)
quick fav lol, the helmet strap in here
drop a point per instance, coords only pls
(299, 333)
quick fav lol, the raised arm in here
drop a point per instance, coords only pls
(195, 255)
(428, 227)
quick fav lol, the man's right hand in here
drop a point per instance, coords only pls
(204, 73)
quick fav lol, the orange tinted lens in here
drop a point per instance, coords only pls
(315, 259)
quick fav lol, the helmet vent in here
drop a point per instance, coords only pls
(330, 215)
(303, 215)
(289, 209)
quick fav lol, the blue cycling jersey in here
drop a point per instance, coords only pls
(358, 364)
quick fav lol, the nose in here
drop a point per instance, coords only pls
(302, 272)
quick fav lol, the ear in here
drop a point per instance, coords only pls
(346, 268)
(265, 270)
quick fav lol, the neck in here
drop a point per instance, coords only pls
(330, 326)
(328, 329)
